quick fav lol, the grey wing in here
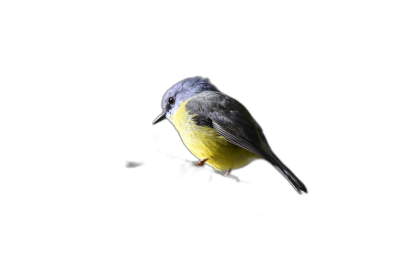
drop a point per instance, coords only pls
(232, 120)
(262, 134)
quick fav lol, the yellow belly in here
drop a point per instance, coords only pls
(205, 143)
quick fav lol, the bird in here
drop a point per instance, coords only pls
(217, 129)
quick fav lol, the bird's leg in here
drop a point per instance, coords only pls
(227, 174)
(201, 162)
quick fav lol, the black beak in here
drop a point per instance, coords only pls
(159, 118)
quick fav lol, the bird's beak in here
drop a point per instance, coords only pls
(159, 118)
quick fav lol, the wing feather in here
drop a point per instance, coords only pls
(231, 120)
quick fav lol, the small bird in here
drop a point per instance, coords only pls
(217, 129)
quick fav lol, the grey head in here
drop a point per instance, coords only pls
(180, 92)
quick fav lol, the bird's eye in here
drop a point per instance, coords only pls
(171, 100)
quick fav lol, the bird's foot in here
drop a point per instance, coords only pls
(227, 174)
(201, 162)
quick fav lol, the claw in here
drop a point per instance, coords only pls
(201, 162)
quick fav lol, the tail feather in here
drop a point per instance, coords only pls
(286, 172)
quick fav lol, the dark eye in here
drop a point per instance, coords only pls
(171, 100)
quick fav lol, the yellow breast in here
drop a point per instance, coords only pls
(204, 142)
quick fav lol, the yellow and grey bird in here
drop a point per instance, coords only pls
(217, 129)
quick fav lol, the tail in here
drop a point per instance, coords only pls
(288, 174)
